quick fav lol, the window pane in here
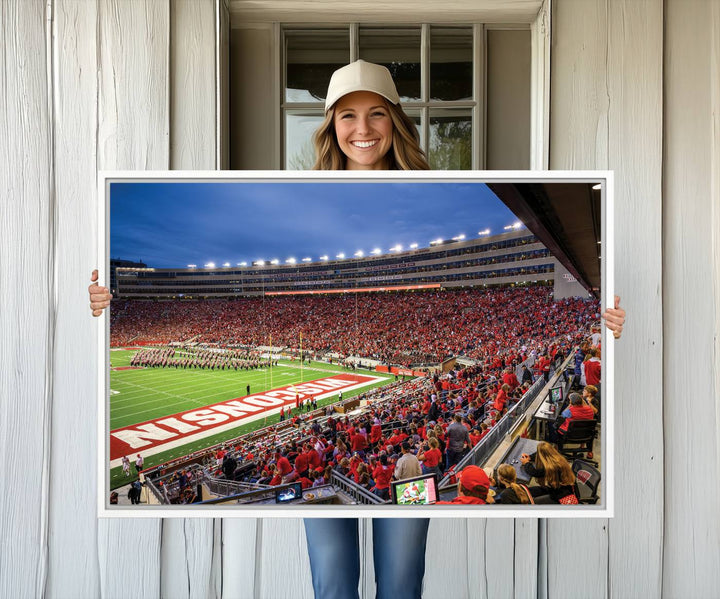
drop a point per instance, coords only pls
(451, 55)
(299, 150)
(415, 117)
(450, 139)
(399, 51)
(311, 58)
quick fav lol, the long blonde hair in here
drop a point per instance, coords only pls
(558, 472)
(405, 154)
(508, 476)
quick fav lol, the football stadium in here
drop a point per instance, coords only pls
(374, 379)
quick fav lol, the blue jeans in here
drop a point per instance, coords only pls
(398, 552)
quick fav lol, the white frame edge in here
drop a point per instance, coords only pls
(606, 510)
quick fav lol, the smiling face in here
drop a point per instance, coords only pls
(364, 130)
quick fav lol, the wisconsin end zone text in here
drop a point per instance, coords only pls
(165, 433)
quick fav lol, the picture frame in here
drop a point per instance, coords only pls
(501, 180)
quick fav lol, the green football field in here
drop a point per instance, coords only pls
(146, 394)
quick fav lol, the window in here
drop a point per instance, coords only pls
(436, 69)
(468, 88)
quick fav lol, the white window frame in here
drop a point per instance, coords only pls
(477, 107)
(273, 12)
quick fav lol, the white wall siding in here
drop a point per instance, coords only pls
(692, 318)
(635, 128)
(193, 85)
(635, 87)
(606, 112)
(133, 129)
(73, 525)
(26, 278)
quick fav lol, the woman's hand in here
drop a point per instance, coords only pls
(615, 318)
(99, 296)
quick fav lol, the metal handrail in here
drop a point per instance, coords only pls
(358, 493)
(225, 487)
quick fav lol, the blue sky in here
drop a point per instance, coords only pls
(169, 225)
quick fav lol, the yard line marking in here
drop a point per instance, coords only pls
(166, 433)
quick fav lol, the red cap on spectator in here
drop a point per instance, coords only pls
(472, 477)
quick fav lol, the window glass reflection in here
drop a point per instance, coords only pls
(398, 50)
(311, 57)
(299, 149)
(450, 144)
(451, 63)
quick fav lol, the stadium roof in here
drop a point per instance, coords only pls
(566, 218)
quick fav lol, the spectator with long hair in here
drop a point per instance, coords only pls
(512, 491)
(553, 473)
(366, 129)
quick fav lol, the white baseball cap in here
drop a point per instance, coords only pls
(361, 76)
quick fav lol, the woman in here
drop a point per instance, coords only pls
(431, 457)
(553, 473)
(382, 474)
(364, 129)
(512, 491)
(501, 398)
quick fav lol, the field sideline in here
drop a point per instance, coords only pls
(140, 395)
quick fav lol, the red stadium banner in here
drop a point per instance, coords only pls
(168, 432)
(381, 368)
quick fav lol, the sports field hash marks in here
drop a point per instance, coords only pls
(122, 415)
(156, 392)
(190, 395)
(172, 381)
(219, 381)
(200, 393)
(185, 384)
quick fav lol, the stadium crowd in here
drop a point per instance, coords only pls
(394, 327)
(427, 424)
(423, 424)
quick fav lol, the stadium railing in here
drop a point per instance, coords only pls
(484, 449)
(224, 487)
(358, 493)
(166, 486)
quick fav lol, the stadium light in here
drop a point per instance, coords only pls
(243, 264)
(396, 248)
(359, 254)
(413, 246)
(192, 265)
(324, 258)
(484, 232)
(376, 251)
(290, 261)
(307, 259)
(515, 225)
(437, 241)
(259, 263)
(210, 265)
(458, 237)
(226, 265)
(340, 256)
(274, 261)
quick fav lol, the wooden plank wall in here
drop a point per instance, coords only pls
(606, 113)
(690, 296)
(635, 87)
